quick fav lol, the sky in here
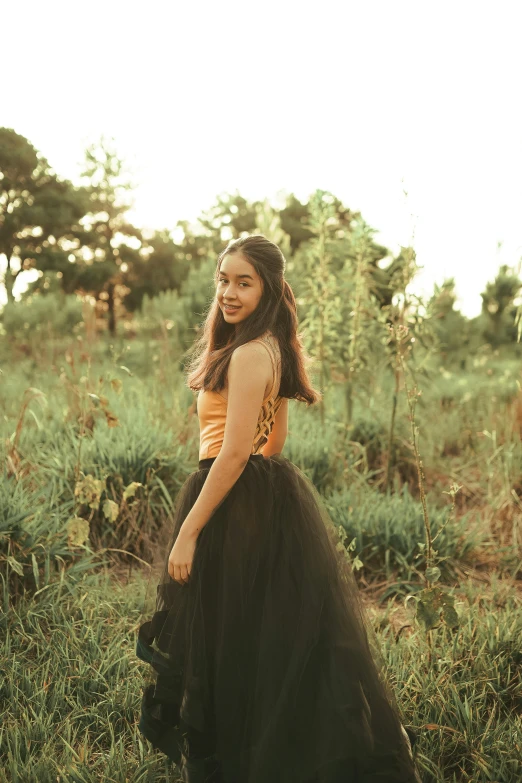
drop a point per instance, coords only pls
(406, 111)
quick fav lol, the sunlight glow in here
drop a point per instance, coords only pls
(408, 113)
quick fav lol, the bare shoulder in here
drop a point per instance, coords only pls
(250, 366)
(250, 353)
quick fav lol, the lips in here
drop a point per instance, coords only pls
(231, 307)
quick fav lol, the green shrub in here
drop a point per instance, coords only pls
(51, 315)
(34, 546)
(311, 447)
(388, 529)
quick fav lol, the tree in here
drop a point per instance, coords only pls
(296, 218)
(498, 308)
(109, 244)
(346, 296)
(319, 288)
(450, 327)
(230, 211)
(39, 213)
(153, 272)
(268, 223)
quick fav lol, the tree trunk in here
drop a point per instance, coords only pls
(9, 281)
(112, 314)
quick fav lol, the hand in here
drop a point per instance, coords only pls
(181, 556)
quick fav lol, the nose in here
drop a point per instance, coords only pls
(228, 295)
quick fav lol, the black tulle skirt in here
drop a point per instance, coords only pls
(264, 667)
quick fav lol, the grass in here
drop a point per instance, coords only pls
(77, 721)
(120, 416)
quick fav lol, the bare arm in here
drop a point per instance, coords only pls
(248, 373)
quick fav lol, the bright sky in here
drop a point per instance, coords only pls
(365, 99)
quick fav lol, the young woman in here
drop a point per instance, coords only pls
(261, 660)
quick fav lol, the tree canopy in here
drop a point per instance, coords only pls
(80, 241)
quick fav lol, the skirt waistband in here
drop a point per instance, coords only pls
(206, 463)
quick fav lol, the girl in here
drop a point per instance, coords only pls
(259, 649)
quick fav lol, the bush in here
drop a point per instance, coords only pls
(388, 529)
(50, 315)
(34, 548)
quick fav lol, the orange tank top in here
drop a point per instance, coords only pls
(212, 410)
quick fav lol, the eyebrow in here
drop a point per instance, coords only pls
(225, 275)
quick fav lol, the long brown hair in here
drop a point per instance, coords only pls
(276, 312)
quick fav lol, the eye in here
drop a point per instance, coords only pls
(223, 281)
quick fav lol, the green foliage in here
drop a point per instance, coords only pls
(498, 307)
(371, 434)
(35, 540)
(39, 212)
(178, 314)
(160, 315)
(268, 223)
(463, 698)
(389, 529)
(79, 239)
(310, 446)
(435, 605)
(161, 266)
(78, 670)
(60, 524)
(104, 470)
(197, 292)
(41, 317)
(97, 469)
(88, 491)
(344, 296)
(319, 290)
(111, 242)
(451, 329)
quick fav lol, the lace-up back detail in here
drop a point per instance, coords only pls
(272, 403)
(212, 409)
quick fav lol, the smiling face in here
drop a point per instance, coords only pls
(239, 285)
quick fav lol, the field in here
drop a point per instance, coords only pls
(100, 435)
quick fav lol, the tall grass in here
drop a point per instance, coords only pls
(71, 685)
(116, 421)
